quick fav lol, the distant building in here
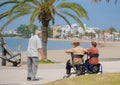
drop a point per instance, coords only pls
(56, 30)
(91, 29)
(76, 29)
(9, 32)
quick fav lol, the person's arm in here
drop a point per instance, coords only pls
(41, 53)
(89, 50)
(39, 48)
(69, 51)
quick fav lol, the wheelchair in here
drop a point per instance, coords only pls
(82, 69)
(93, 68)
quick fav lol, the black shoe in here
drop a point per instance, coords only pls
(68, 72)
(28, 78)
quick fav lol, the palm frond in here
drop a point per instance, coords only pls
(51, 1)
(64, 18)
(35, 2)
(8, 13)
(21, 5)
(12, 19)
(75, 18)
(33, 17)
(9, 2)
(78, 9)
(52, 13)
(16, 7)
(4, 14)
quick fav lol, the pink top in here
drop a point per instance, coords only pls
(93, 60)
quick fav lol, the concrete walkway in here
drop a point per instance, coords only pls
(46, 73)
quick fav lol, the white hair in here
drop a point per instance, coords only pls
(37, 31)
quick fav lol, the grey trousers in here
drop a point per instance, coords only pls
(32, 63)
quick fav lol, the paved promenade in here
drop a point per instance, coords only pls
(46, 73)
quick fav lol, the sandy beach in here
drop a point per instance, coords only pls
(108, 50)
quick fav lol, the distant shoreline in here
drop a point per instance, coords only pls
(15, 38)
(100, 43)
(82, 40)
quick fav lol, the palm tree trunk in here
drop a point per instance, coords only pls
(44, 40)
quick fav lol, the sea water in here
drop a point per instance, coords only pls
(22, 43)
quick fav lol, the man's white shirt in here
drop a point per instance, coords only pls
(33, 45)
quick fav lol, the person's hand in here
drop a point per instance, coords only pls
(44, 57)
(67, 52)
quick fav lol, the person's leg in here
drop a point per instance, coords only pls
(29, 64)
(68, 67)
(34, 67)
(87, 64)
(91, 67)
(79, 69)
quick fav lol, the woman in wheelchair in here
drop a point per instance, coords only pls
(77, 56)
(93, 54)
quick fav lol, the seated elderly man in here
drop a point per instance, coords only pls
(77, 52)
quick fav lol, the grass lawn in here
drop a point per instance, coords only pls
(91, 79)
(45, 62)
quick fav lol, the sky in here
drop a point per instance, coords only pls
(102, 15)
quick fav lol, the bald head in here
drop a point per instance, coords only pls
(38, 32)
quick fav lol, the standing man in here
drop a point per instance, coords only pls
(34, 49)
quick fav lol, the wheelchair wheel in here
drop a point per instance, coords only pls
(95, 68)
(80, 70)
(64, 77)
(15, 64)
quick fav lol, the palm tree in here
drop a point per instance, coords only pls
(45, 11)
(98, 33)
(112, 29)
